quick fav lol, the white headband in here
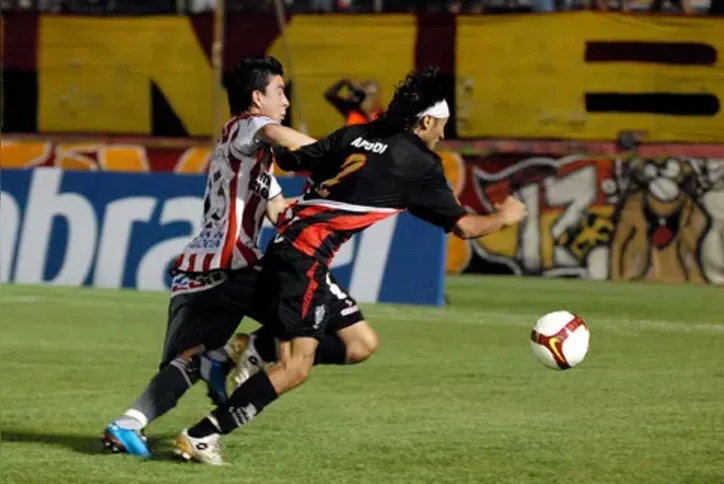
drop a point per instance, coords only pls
(437, 110)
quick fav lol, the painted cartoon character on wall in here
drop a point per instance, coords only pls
(659, 224)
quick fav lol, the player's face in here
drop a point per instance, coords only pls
(274, 103)
(432, 131)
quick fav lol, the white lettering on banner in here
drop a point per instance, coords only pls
(44, 204)
(116, 235)
(369, 268)
(152, 269)
(9, 228)
(103, 249)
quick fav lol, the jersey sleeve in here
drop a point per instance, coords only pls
(274, 188)
(245, 142)
(307, 157)
(435, 202)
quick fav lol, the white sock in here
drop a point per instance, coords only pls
(132, 419)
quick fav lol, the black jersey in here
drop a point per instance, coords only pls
(360, 175)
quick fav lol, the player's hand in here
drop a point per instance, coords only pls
(511, 210)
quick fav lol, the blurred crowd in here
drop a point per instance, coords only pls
(140, 7)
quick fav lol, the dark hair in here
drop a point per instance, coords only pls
(249, 75)
(419, 91)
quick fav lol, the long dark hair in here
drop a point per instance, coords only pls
(417, 92)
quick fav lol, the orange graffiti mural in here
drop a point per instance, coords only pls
(627, 218)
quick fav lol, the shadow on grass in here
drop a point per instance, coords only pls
(85, 444)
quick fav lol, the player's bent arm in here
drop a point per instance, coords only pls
(275, 207)
(278, 135)
(472, 226)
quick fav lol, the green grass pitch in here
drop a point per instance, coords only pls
(453, 395)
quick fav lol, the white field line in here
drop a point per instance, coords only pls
(411, 314)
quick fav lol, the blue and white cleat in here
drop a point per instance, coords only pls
(214, 373)
(120, 440)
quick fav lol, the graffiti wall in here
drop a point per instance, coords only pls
(647, 216)
(620, 218)
(612, 72)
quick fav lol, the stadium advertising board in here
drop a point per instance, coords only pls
(117, 230)
(655, 215)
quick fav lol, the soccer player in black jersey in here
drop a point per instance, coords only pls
(360, 175)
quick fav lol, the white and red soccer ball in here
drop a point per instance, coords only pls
(560, 340)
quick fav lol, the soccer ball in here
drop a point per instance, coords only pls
(560, 340)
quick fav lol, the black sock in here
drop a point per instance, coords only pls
(331, 351)
(245, 403)
(265, 344)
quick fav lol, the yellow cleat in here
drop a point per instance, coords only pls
(206, 450)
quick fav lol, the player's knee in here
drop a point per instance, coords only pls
(184, 356)
(362, 347)
(188, 366)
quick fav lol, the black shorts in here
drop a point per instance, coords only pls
(343, 308)
(209, 317)
(206, 310)
(299, 297)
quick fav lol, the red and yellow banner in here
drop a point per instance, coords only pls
(582, 75)
(590, 76)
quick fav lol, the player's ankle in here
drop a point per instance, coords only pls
(204, 428)
(132, 419)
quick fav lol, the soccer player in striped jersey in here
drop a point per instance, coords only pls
(360, 175)
(214, 277)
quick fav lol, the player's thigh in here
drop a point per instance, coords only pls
(206, 319)
(360, 340)
(293, 291)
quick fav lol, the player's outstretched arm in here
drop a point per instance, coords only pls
(510, 212)
(436, 203)
(306, 157)
(278, 135)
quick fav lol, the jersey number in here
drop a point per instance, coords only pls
(352, 163)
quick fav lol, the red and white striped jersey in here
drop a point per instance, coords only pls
(240, 183)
